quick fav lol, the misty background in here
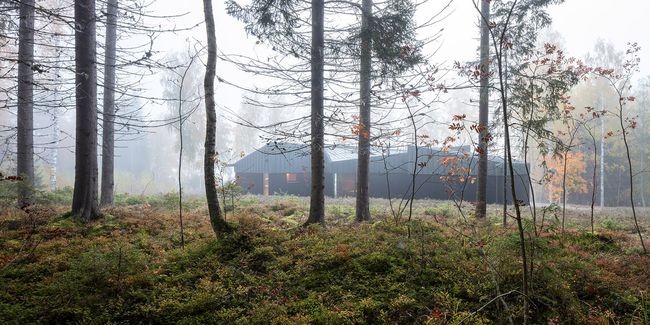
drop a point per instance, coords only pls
(146, 154)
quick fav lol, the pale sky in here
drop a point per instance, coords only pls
(582, 22)
(579, 22)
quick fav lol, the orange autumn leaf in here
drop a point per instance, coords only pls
(360, 129)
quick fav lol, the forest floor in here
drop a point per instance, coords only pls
(442, 267)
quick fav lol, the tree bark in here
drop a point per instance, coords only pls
(217, 221)
(602, 157)
(181, 120)
(564, 170)
(593, 178)
(54, 156)
(363, 161)
(642, 156)
(517, 204)
(481, 192)
(84, 199)
(566, 156)
(108, 143)
(25, 163)
(56, 112)
(317, 202)
(528, 175)
(498, 44)
(505, 153)
(630, 171)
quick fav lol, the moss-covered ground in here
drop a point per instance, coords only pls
(439, 268)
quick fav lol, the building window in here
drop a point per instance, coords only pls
(292, 178)
(265, 190)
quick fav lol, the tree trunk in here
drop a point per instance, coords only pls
(564, 171)
(56, 112)
(505, 153)
(593, 180)
(180, 150)
(317, 203)
(566, 157)
(25, 168)
(642, 156)
(602, 158)
(528, 175)
(84, 199)
(108, 144)
(517, 204)
(642, 176)
(630, 172)
(362, 203)
(54, 158)
(219, 225)
(180, 156)
(481, 192)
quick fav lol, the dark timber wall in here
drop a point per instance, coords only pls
(288, 166)
(253, 183)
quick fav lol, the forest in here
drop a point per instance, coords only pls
(324, 162)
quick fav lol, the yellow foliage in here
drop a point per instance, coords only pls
(575, 182)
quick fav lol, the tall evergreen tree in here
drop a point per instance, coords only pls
(483, 134)
(108, 136)
(25, 163)
(385, 41)
(516, 23)
(84, 199)
(317, 202)
(363, 156)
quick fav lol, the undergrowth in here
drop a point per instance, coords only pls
(128, 267)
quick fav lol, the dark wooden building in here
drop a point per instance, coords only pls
(281, 168)
(284, 168)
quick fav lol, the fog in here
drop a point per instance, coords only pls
(146, 155)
